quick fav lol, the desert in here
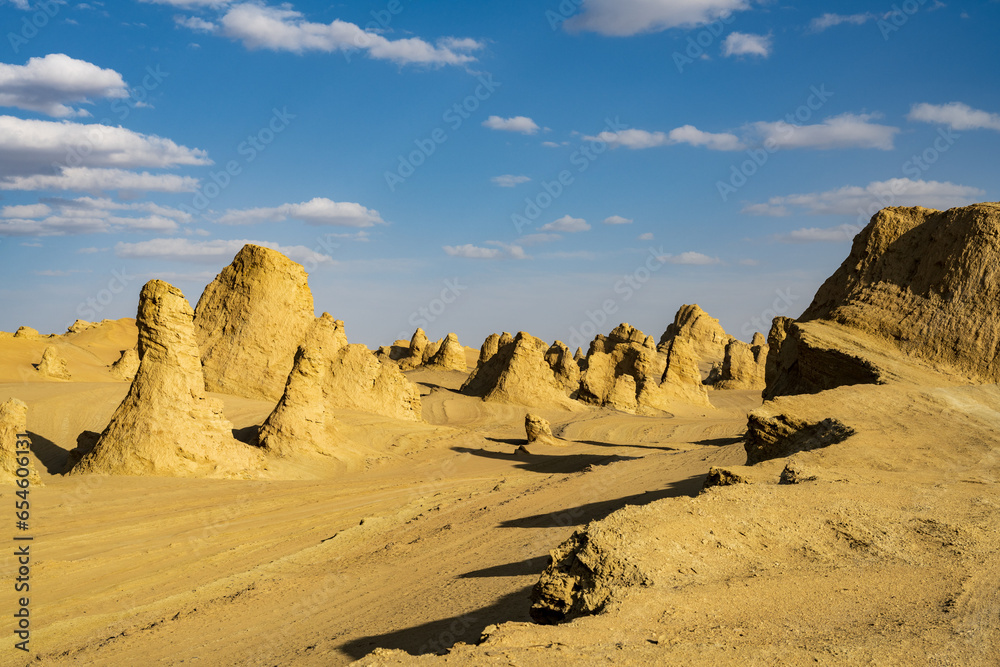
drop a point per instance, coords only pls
(530, 508)
(535, 334)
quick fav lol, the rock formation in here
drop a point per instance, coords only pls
(303, 420)
(743, 367)
(52, 365)
(566, 369)
(538, 430)
(126, 366)
(80, 325)
(624, 371)
(450, 355)
(707, 337)
(922, 281)
(27, 332)
(166, 425)
(519, 374)
(13, 421)
(329, 374)
(250, 321)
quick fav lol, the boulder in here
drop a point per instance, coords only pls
(538, 430)
(166, 425)
(27, 332)
(250, 321)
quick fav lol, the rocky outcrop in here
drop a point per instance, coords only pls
(704, 333)
(519, 374)
(450, 355)
(14, 422)
(743, 367)
(566, 369)
(52, 365)
(625, 372)
(127, 365)
(80, 325)
(167, 425)
(925, 282)
(27, 332)
(304, 420)
(250, 321)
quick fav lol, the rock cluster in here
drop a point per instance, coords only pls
(250, 321)
(626, 372)
(445, 354)
(519, 373)
(744, 365)
(166, 425)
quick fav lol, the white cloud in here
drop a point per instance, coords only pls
(838, 234)
(743, 44)
(509, 180)
(956, 115)
(852, 200)
(748, 262)
(553, 144)
(284, 29)
(691, 259)
(214, 251)
(25, 211)
(33, 146)
(195, 23)
(566, 224)
(86, 215)
(648, 236)
(687, 134)
(843, 131)
(618, 220)
(318, 211)
(828, 20)
(85, 179)
(500, 251)
(521, 124)
(49, 84)
(621, 18)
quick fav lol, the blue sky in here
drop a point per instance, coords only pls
(477, 167)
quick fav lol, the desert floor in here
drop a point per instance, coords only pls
(442, 535)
